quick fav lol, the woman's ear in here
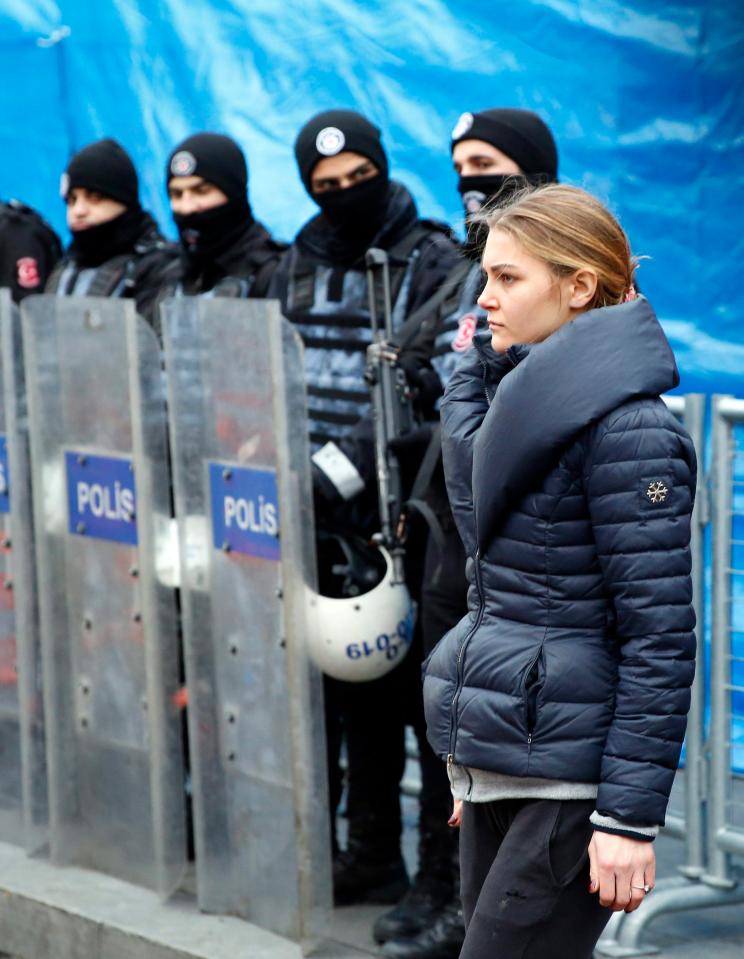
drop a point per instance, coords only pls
(582, 290)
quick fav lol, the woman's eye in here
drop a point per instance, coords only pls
(507, 279)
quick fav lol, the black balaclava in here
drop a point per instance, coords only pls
(105, 167)
(357, 212)
(523, 137)
(218, 160)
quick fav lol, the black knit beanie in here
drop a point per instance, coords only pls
(335, 131)
(520, 134)
(106, 168)
(215, 158)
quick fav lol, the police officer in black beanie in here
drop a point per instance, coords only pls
(224, 250)
(117, 248)
(494, 153)
(322, 285)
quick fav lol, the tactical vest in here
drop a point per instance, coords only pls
(260, 264)
(108, 279)
(330, 308)
(114, 277)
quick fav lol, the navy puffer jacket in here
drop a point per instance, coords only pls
(572, 486)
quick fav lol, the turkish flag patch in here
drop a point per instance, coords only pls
(465, 332)
(28, 273)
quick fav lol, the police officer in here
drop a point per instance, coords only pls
(494, 153)
(117, 248)
(29, 249)
(322, 286)
(224, 251)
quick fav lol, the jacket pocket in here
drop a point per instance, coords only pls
(568, 842)
(534, 680)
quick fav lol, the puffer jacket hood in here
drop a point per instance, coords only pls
(572, 486)
(543, 396)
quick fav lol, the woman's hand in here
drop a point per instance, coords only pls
(619, 868)
(456, 817)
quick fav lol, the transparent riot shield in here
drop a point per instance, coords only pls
(108, 624)
(243, 494)
(23, 786)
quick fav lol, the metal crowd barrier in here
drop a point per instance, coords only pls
(714, 817)
(726, 812)
(689, 825)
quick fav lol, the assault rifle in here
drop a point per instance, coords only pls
(392, 406)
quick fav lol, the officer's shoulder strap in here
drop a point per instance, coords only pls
(53, 280)
(301, 281)
(264, 260)
(110, 274)
(400, 254)
(262, 276)
(428, 313)
(421, 230)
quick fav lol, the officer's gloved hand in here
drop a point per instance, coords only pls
(409, 449)
(423, 380)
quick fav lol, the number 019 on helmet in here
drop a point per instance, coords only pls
(361, 638)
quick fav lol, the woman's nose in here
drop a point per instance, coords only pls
(487, 300)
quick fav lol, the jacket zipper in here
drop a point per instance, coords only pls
(530, 720)
(460, 658)
(484, 367)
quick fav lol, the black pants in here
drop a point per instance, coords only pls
(525, 876)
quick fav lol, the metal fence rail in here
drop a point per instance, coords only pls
(690, 826)
(726, 813)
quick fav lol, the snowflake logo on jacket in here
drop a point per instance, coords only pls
(657, 492)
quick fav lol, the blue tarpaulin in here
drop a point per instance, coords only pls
(646, 99)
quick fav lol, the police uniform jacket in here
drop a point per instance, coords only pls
(244, 269)
(326, 297)
(137, 273)
(572, 487)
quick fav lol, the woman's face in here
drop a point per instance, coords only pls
(524, 299)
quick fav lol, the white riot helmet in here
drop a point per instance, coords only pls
(363, 637)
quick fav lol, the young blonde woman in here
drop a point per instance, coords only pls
(559, 702)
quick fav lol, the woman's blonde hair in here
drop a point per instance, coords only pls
(569, 230)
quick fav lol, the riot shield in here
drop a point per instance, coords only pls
(23, 809)
(238, 433)
(108, 625)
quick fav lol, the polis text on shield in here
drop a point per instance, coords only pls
(101, 497)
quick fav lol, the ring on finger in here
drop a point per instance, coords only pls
(645, 888)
